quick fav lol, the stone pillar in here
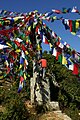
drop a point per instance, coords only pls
(33, 82)
(40, 90)
(38, 94)
(32, 87)
(46, 90)
(31, 90)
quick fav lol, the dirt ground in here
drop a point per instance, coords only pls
(49, 115)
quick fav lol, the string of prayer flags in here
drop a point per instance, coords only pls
(19, 44)
(70, 58)
(74, 10)
(72, 25)
(21, 35)
(65, 10)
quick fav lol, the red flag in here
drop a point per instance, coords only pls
(75, 69)
(70, 25)
(11, 60)
(17, 43)
(8, 70)
(13, 54)
(21, 79)
(56, 11)
(58, 53)
(23, 48)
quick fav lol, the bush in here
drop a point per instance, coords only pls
(13, 103)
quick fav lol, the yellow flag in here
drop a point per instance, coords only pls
(24, 76)
(50, 45)
(8, 44)
(55, 17)
(64, 61)
(77, 24)
(73, 33)
(38, 47)
(7, 21)
(35, 11)
(29, 28)
(5, 11)
(20, 66)
(16, 18)
(26, 52)
(1, 77)
(18, 50)
(27, 40)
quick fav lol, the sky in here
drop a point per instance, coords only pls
(43, 6)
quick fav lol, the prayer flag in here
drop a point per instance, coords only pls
(64, 61)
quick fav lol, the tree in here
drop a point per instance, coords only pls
(69, 90)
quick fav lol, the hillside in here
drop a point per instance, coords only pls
(48, 115)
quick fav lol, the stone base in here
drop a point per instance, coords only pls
(52, 106)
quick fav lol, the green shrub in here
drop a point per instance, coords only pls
(14, 104)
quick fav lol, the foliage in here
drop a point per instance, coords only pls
(69, 90)
(13, 103)
(68, 94)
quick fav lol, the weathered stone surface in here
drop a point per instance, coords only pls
(54, 115)
(53, 106)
